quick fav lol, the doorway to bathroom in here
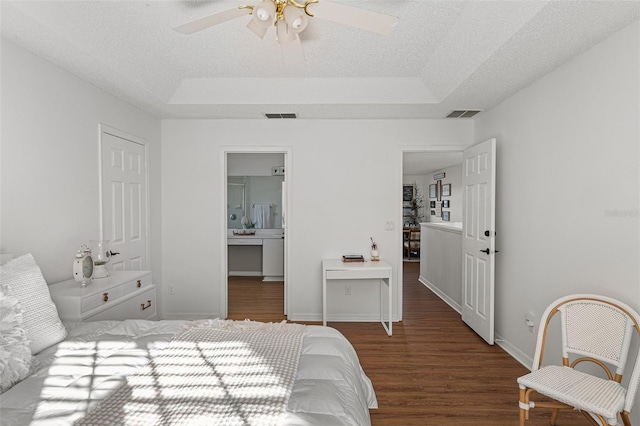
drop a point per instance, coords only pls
(255, 227)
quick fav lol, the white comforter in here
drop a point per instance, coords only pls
(73, 376)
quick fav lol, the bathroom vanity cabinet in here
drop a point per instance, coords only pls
(256, 255)
(273, 259)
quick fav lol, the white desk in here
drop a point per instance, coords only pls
(336, 269)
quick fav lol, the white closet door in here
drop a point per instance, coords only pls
(124, 199)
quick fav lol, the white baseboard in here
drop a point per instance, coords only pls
(524, 359)
(190, 316)
(245, 273)
(336, 318)
(304, 317)
(449, 301)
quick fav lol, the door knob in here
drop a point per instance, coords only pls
(487, 251)
(487, 233)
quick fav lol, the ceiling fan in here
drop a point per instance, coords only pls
(290, 18)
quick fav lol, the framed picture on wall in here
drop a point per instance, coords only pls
(445, 216)
(407, 193)
(432, 204)
(445, 204)
(439, 190)
(433, 212)
(446, 190)
(432, 191)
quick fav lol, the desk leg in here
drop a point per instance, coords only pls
(390, 306)
(324, 298)
(387, 325)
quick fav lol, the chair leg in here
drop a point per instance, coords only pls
(554, 416)
(523, 401)
(625, 418)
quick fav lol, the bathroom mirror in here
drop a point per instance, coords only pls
(259, 198)
(235, 203)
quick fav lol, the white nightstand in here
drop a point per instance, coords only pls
(123, 295)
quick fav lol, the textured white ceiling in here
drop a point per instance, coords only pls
(442, 55)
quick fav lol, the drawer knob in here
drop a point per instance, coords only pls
(105, 297)
(143, 306)
(139, 284)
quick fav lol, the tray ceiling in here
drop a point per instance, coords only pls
(441, 56)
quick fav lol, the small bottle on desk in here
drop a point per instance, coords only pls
(375, 254)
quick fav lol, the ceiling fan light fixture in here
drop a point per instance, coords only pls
(265, 11)
(295, 18)
(291, 17)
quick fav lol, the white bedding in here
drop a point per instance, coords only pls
(71, 377)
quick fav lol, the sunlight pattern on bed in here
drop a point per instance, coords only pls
(222, 373)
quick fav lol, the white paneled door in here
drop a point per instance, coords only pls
(124, 199)
(478, 238)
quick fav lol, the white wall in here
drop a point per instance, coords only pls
(568, 186)
(453, 177)
(49, 166)
(346, 182)
(250, 164)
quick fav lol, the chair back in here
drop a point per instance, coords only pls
(594, 328)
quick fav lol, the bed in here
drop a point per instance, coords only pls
(169, 372)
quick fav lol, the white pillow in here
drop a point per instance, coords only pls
(41, 321)
(15, 354)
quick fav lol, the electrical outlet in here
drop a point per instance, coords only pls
(529, 319)
(171, 290)
(347, 290)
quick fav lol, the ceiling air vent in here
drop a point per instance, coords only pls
(281, 115)
(463, 113)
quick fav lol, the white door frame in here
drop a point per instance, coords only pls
(409, 149)
(224, 273)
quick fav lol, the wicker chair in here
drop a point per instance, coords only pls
(597, 329)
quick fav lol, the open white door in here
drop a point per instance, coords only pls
(478, 238)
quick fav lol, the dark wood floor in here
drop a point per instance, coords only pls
(433, 371)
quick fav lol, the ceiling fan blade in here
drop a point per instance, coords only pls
(259, 28)
(211, 20)
(354, 17)
(292, 51)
